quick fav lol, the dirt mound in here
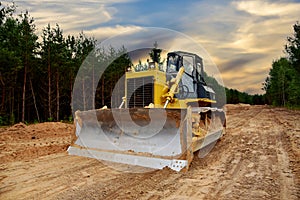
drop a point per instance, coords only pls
(17, 126)
(22, 142)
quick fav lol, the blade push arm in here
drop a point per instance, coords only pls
(170, 95)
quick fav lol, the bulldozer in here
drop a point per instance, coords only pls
(166, 115)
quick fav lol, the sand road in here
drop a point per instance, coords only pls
(258, 158)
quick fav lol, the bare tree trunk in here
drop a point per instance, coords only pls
(283, 93)
(102, 91)
(83, 94)
(24, 93)
(34, 101)
(3, 98)
(282, 80)
(283, 89)
(71, 94)
(3, 92)
(10, 101)
(111, 90)
(93, 87)
(11, 106)
(49, 84)
(12, 115)
(57, 96)
(18, 109)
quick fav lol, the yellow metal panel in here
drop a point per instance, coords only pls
(200, 99)
(159, 84)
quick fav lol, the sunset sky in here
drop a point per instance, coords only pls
(242, 37)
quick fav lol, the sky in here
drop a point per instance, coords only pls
(242, 38)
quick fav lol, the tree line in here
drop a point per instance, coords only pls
(37, 72)
(282, 86)
(232, 96)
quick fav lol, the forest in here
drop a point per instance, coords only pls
(38, 72)
(282, 86)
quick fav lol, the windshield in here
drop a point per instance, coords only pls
(188, 64)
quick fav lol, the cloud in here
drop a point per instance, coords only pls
(78, 18)
(242, 37)
(265, 8)
(246, 71)
(236, 62)
(72, 16)
(245, 81)
(104, 32)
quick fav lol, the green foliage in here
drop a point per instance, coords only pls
(119, 61)
(140, 67)
(155, 54)
(218, 89)
(1, 121)
(293, 48)
(234, 96)
(37, 72)
(12, 119)
(24, 68)
(279, 79)
(282, 86)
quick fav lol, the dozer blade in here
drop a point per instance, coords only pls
(152, 138)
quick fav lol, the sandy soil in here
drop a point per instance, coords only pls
(258, 158)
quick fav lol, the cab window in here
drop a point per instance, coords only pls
(172, 64)
(188, 64)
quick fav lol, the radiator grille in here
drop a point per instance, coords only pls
(139, 91)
